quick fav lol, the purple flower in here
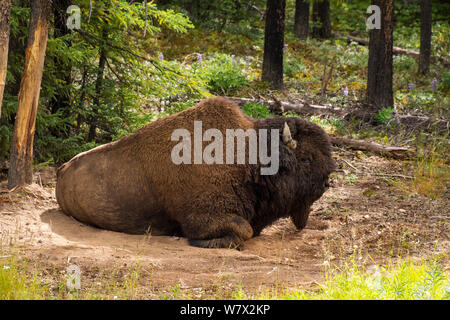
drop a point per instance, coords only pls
(345, 91)
(434, 84)
(247, 59)
(161, 56)
(285, 46)
(199, 57)
(411, 86)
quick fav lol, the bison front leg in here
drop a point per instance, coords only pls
(228, 231)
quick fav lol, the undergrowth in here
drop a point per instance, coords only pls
(403, 280)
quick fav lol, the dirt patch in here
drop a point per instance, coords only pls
(360, 216)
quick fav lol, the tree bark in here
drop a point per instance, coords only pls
(425, 36)
(5, 12)
(21, 162)
(321, 18)
(379, 79)
(98, 90)
(301, 24)
(272, 71)
(61, 99)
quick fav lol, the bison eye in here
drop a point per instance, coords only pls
(305, 160)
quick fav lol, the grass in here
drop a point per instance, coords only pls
(16, 284)
(400, 281)
(403, 280)
(430, 170)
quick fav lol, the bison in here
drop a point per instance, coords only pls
(133, 185)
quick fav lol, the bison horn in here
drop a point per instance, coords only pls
(287, 137)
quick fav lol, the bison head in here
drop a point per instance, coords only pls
(312, 149)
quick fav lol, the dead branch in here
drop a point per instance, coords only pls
(379, 149)
(443, 60)
(326, 78)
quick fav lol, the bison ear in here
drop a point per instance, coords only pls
(287, 137)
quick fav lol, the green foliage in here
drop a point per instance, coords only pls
(384, 115)
(222, 73)
(445, 82)
(73, 96)
(229, 15)
(401, 281)
(256, 110)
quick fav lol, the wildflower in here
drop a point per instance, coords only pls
(411, 86)
(345, 91)
(161, 56)
(285, 46)
(434, 84)
(247, 59)
(199, 57)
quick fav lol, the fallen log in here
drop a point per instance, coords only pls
(304, 108)
(398, 50)
(300, 107)
(379, 149)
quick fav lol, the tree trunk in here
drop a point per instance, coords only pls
(272, 71)
(5, 12)
(21, 162)
(379, 79)
(321, 18)
(301, 24)
(61, 99)
(425, 36)
(98, 91)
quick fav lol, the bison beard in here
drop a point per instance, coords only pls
(132, 186)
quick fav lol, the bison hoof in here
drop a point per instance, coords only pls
(224, 242)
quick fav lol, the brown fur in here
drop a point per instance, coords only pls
(132, 186)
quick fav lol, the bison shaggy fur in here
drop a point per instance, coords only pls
(132, 185)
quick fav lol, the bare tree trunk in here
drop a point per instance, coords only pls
(379, 79)
(5, 12)
(321, 18)
(274, 43)
(301, 24)
(425, 36)
(21, 162)
(98, 91)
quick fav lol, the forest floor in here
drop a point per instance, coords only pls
(365, 216)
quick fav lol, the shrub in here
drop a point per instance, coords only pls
(223, 74)
(256, 111)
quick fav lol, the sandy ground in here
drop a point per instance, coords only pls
(362, 216)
